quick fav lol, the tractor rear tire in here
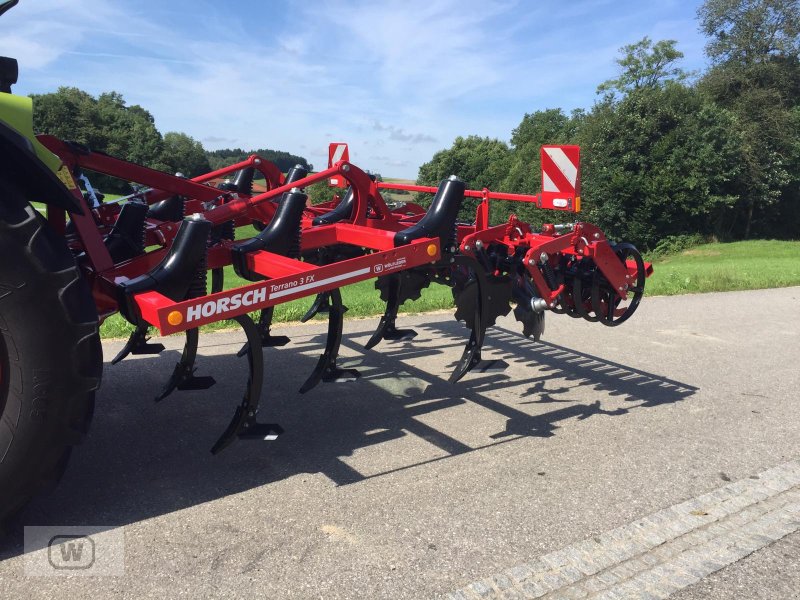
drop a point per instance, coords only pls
(50, 354)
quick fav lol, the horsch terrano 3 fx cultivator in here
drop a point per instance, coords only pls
(157, 257)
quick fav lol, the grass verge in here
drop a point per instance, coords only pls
(749, 265)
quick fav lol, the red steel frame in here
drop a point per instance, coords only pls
(287, 279)
(372, 227)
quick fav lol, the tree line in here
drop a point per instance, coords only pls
(666, 153)
(283, 160)
(107, 124)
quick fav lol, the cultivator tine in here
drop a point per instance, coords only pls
(386, 328)
(138, 344)
(326, 369)
(267, 339)
(217, 280)
(470, 357)
(244, 424)
(490, 301)
(322, 304)
(183, 377)
(472, 351)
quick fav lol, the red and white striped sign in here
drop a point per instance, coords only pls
(337, 151)
(561, 181)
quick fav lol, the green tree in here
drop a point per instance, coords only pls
(661, 161)
(542, 127)
(284, 160)
(750, 31)
(68, 114)
(754, 46)
(659, 158)
(645, 65)
(479, 161)
(524, 176)
(105, 124)
(322, 192)
(184, 154)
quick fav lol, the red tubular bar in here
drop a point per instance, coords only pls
(240, 206)
(164, 183)
(274, 266)
(267, 168)
(360, 181)
(485, 193)
(102, 163)
(299, 280)
(343, 233)
(272, 175)
(544, 200)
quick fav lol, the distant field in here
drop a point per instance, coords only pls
(397, 195)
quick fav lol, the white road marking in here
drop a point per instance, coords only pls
(663, 552)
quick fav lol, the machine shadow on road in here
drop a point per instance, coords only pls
(144, 459)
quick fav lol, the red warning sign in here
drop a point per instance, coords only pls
(561, 181)
(337, 151)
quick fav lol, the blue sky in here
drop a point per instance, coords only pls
(397, 80)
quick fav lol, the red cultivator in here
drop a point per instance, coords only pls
(148, 256)
(304, 250)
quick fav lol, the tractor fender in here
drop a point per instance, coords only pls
(26, 163)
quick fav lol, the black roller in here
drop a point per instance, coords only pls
(611, 310)
(479, 301)
(440, 220)
(582, 290)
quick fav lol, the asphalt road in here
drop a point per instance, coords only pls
(400, 485)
